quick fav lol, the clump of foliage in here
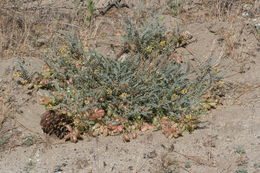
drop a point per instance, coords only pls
(148, 90)
(90, 6)
(187, 165)
(175, 5)
(241, 170)
(29, 140)
(149, 39)
(107, 96)
(24, 75)
(240, 150)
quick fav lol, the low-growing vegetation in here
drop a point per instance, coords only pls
(148, 38)
(108, 96)
(88, 92)
(150, 89)
(176, 5)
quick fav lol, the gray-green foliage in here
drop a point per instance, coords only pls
(3, 141)
(92, 81)
(187, 165)
(148, 38)
(175, 5)
(90, 7)
(240, 150)
(29, 140)
(241, 170)
(167, 171)
(24, 73)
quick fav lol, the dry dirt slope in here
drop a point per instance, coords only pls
(228, 140)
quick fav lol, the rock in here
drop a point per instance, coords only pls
(257, 26)
(247, 14)
(150, 155)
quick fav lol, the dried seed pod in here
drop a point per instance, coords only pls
(55, 123)
(73, 134)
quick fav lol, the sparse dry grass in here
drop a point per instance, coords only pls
(229, 9)
(5, 112)
(26, 27)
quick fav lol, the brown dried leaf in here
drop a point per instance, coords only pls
(95, 132)
(126, 138)
(74, 134)
(118, 128)
(44, 81)
(105, 132)
(69, 128)
(67, 137)
(178, 59)
(70, 81)
(74, 139)
(146, 127)
(171, 131)
(98, 113)
(45, 100)
(134, 135)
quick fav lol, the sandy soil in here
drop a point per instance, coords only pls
(228, 139)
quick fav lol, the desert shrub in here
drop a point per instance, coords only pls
(93, 88)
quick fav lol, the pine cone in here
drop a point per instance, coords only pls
(55, 123)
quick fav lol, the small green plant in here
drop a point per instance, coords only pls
(148, 38)
(240, 150)
(175, 5)
(90, 8)
(187, 165)
(241, 170)
(29, 140)
(167, 171)
(23, 74)
(85, 10)
(256, 165)
(3, 141)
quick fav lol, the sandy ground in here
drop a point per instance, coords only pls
(228, 139)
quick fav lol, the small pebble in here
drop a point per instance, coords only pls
(257, 26)
(247, 14)
(228, 140)
(220, 39)
(150, 155)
